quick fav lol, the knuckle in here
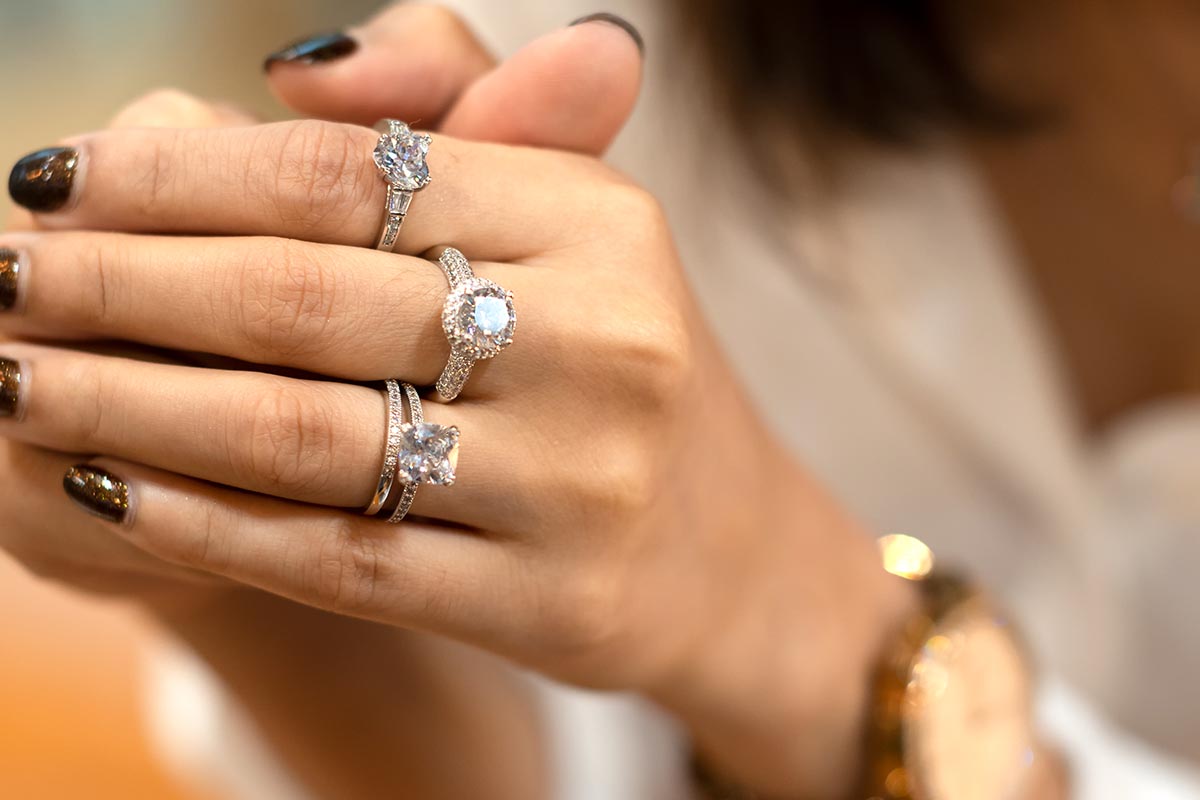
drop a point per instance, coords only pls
(166, 107)
(346, 571)
(659, 364)
(437, 22)
(641, 215)
(155, 172)
(289, 294)
(612, 495)
(320, 174)
(581, 618)
(99, 291)
(283, 439)
(648, 352)
(85, 424)
(208, 548)
(629, 484)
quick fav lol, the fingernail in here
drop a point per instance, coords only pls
(98, 492)
(10, 270)
(313, 50)
(620, 22)
(10, 387)
(41, 181)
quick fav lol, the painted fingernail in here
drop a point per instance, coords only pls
(10, 387)
(42, 181)
(620, 22)
(10, 270)
(98, 492)
(313, 50)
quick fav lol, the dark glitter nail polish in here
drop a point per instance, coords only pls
(10, 387)
(98, 492)
(620, 22)
(313, 50)
(10, 270)
(41, 181)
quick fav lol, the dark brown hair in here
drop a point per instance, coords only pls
(883, 72)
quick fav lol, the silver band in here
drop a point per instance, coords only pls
(409, 490)
(400, 158)
(478, 319)
(391, 448)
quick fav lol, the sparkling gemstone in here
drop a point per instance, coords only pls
(428, 454)
(400, 156)
(479, 316)
(491, 315)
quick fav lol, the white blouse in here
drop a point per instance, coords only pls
(888, 338)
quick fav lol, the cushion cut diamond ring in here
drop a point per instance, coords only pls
(400, 157)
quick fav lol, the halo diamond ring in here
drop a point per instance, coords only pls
(478, 319)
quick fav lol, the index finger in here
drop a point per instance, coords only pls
(308, 180)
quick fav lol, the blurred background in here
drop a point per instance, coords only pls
(71, 718)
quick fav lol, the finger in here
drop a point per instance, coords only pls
(173, 108)
(162, 108)
(313, 441)
(572, 89)
(48, 538)
(412, 575)
(307, 180)
(346, 312)
(409, 62)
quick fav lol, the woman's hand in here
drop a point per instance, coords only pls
(450, 700)
(589, 480)
(621, 517)
(402, 46)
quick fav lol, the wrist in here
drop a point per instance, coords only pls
(776, 696)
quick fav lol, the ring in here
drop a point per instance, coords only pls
(391, 447)
(428, 453)
(400, 158)
(478, 319)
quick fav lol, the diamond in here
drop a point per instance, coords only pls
(491, 315)
(479, 317)
(400, 156)
(428, 454)
(397, 202)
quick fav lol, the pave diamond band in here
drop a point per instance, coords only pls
(478, 318)
(391, 447)
(400, 158)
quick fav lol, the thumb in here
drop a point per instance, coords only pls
(571, 89)
(410, 62)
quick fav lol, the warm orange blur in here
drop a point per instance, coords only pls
(69, 688)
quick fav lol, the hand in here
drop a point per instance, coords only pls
(447, 699)
(402, 46)
(583, 537)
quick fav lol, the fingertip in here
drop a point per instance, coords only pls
(572, 89)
